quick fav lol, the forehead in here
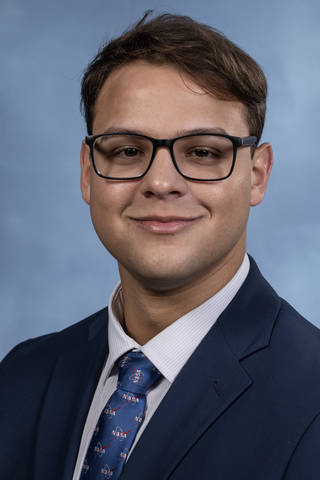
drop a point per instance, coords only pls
(160, 98)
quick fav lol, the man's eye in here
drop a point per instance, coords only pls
(130, 152)
(203, 152)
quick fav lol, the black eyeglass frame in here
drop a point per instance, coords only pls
(169, 143)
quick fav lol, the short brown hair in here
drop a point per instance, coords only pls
(212, 61)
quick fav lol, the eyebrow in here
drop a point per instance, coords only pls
(179, 133)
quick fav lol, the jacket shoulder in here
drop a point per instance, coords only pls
(51, 344)
(303, 335)
(26, 374)
(292, 362)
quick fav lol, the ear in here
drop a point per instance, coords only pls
(85, 172)
(260, 171)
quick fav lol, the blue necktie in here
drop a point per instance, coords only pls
(120, 420)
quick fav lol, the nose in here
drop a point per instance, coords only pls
(163, 179)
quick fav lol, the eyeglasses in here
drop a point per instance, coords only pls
(202, 156)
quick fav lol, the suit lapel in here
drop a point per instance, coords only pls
(67, 401)
(209, 383)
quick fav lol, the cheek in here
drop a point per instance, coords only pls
(110, 197)
(237, 207)
(107, 202)
(231, 193)
(228, 203)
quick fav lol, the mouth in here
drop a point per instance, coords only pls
(165, 225)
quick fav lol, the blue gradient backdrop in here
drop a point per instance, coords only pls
(54, 271)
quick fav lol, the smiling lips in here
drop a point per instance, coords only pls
(164, 225)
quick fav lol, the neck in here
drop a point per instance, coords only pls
(147, 312)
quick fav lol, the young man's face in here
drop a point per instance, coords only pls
(157, 101)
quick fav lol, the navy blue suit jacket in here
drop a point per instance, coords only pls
(244, 407)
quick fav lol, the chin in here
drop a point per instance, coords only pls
(165, 275)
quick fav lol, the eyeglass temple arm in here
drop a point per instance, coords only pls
(248, 141)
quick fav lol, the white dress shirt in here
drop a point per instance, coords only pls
(168, 351)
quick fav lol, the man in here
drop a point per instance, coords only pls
(197, 369)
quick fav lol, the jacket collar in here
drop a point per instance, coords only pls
(248, 321)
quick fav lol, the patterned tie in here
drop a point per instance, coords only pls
(121, 418)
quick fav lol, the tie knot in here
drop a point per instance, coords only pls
(136, 373)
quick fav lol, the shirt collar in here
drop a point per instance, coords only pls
(171, 348)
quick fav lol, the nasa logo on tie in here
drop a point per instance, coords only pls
(106, 473)
(137, 377)
(110, 412)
